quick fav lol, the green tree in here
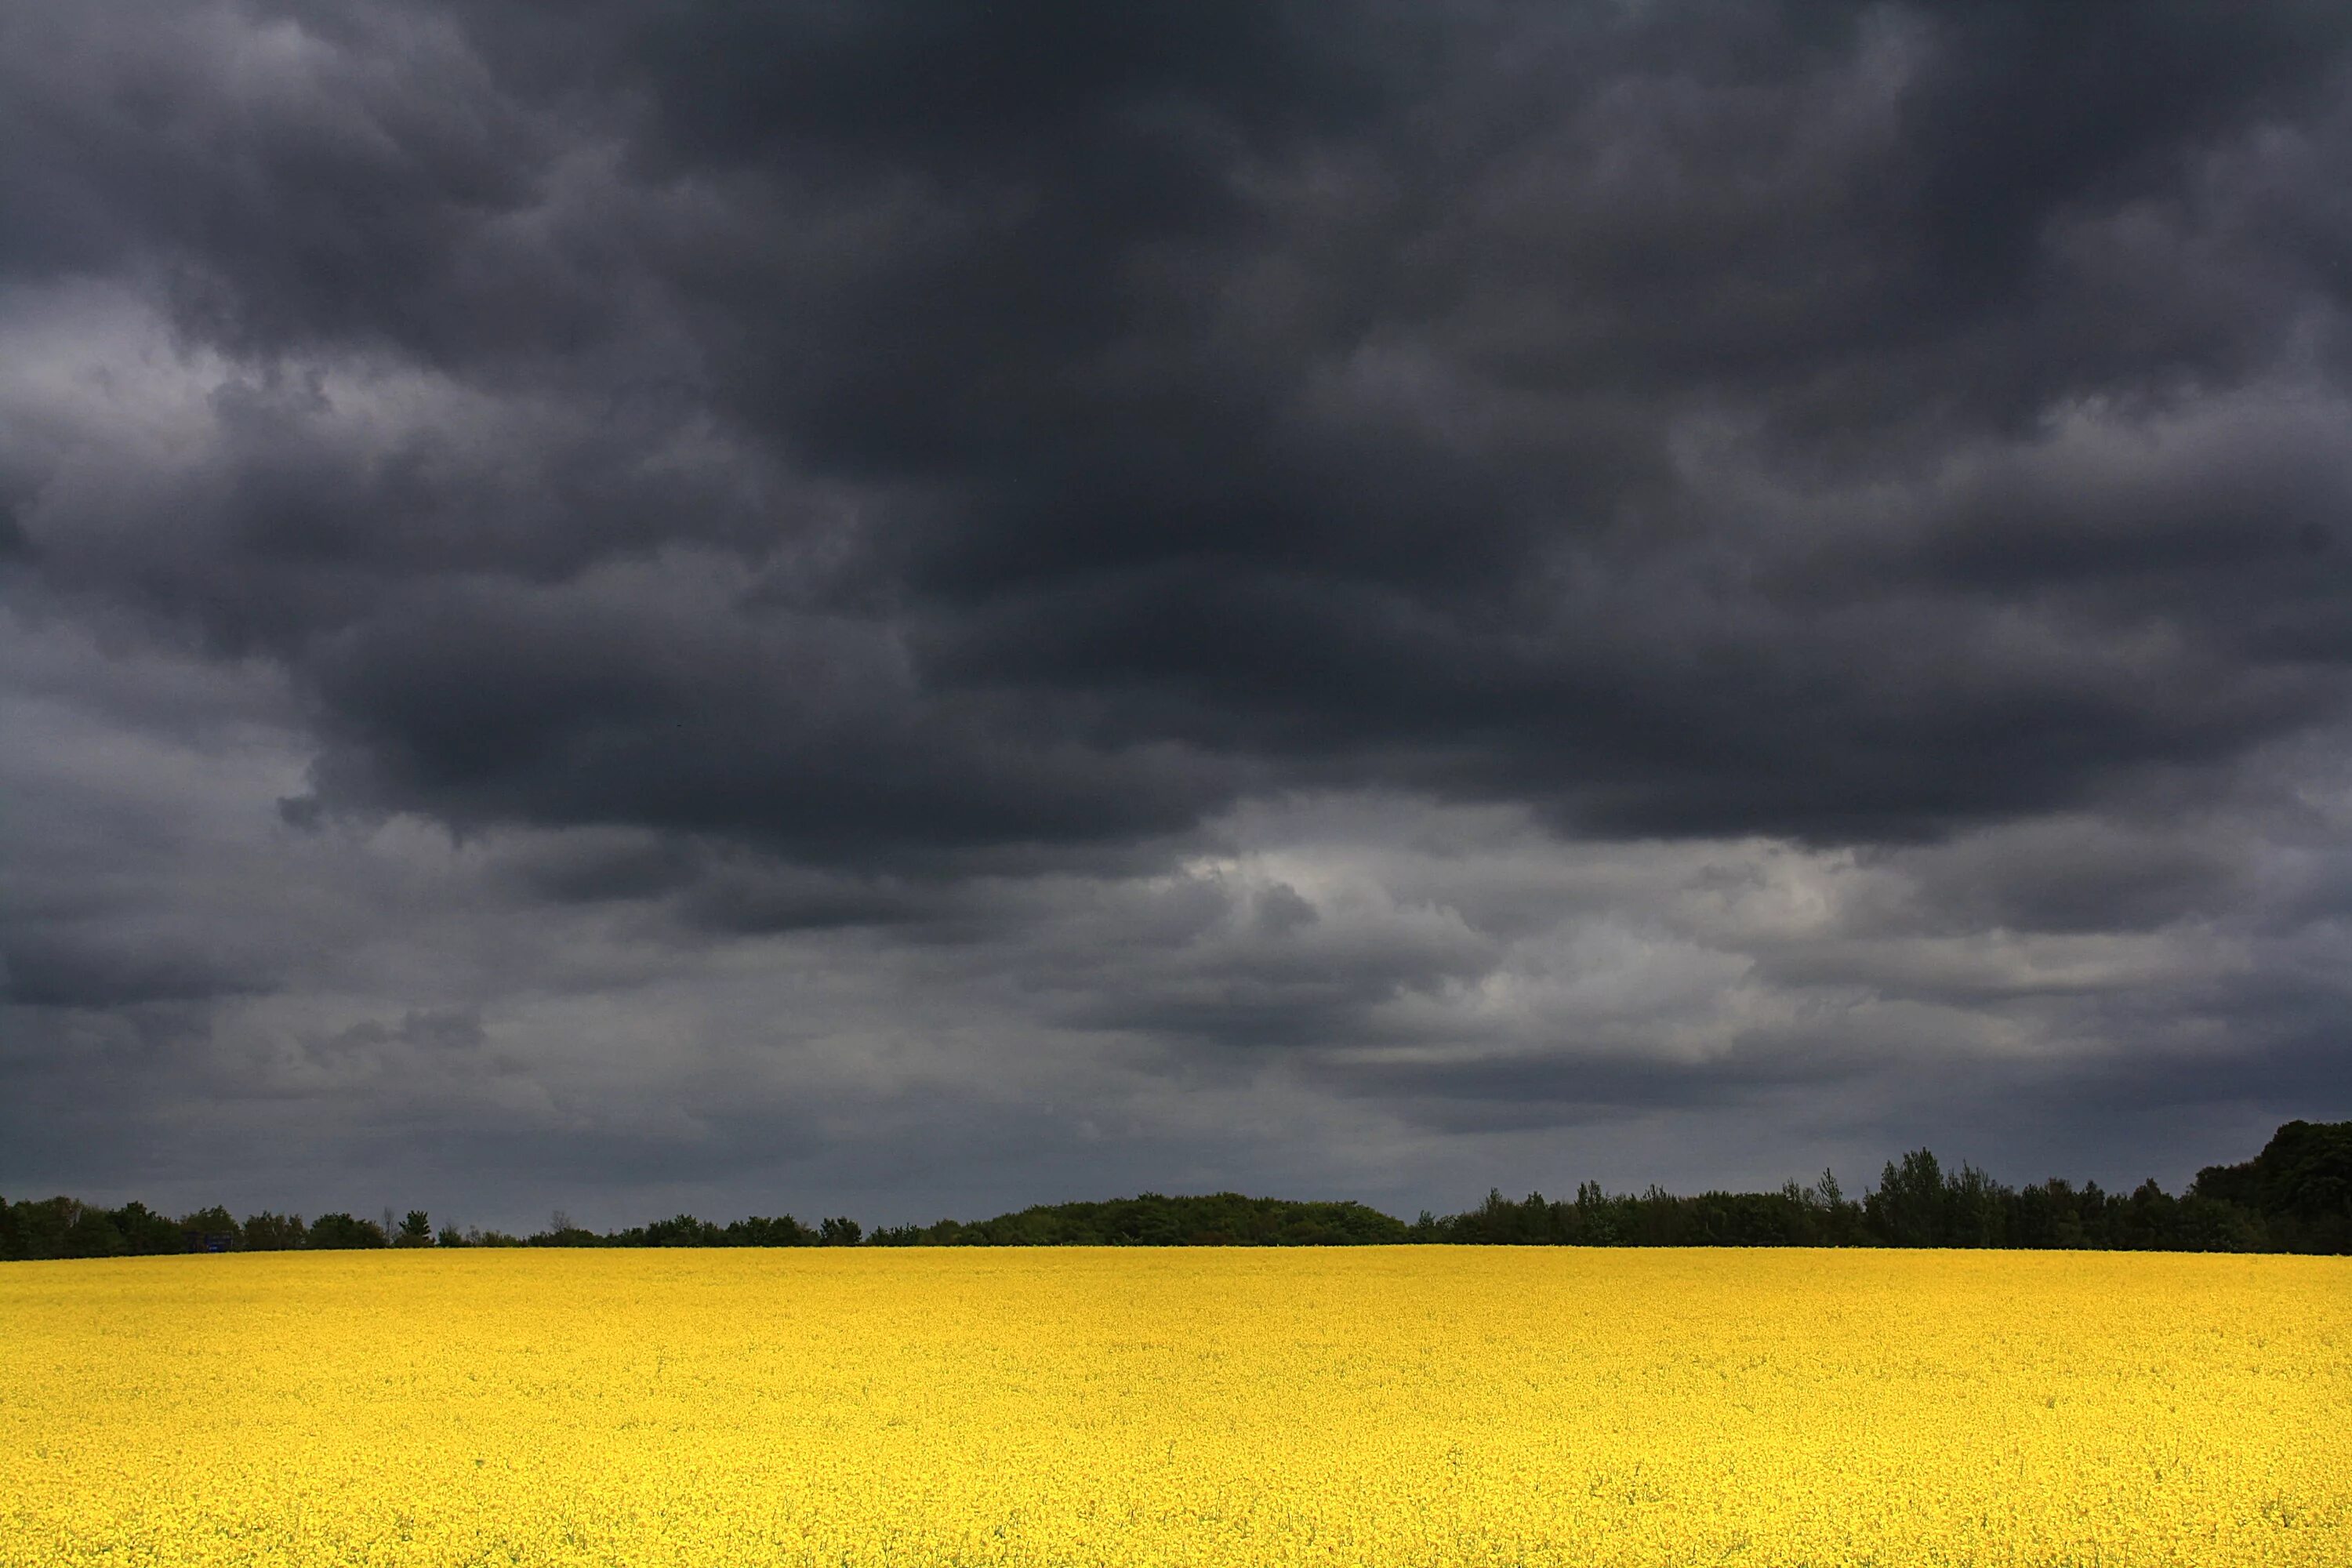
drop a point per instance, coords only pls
(210, 1230)
(783, 1230)
(1908, 1209)
(144, 1232)
(91, 1233)
(342, 1232)
(269, 1232)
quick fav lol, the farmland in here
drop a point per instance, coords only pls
(1370, 1405)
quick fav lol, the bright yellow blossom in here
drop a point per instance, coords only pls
(1422, 1406)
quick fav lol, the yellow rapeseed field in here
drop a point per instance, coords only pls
(1377, 1406)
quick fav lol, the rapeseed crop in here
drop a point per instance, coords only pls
(1359, 1406)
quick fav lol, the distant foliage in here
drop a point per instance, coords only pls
(341, 1232)
(266, 1232)
(1222, 1219)
(2301, 1184)
(2295, 1196)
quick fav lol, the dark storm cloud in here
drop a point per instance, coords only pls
(1120, 410)
(48, 967)
(896, 531)
(1563, 1087)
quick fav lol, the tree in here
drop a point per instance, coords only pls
(2047, 1215)
(268, 1232)
(839, 1232)
(210, 1230)
(1975, 1208)
(91, 1233)
(681, 1230)
(561, 1232)
(783, 1230)
(2301, 1184)
(342, 1232)
(144, 1232)
(1597, 1223)
(1908, 1209)
(416, 1230)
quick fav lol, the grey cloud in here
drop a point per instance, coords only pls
(2057, 875)
(1299, 449)
(686, 590)
(50, 968)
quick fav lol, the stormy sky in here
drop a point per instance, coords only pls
(911, 608)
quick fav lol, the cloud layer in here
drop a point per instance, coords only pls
(929, 609)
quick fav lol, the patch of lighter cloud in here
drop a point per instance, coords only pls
(90, 363)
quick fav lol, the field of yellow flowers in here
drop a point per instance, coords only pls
(1345, 1406)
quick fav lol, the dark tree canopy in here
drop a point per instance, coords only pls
(2295, 1196)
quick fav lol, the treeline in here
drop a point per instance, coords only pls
(1220, 1219)
(65, 1227)
(2295, 1196)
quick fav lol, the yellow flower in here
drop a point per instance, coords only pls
(1413, 1406)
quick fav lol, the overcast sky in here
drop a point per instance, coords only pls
(913, 608)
